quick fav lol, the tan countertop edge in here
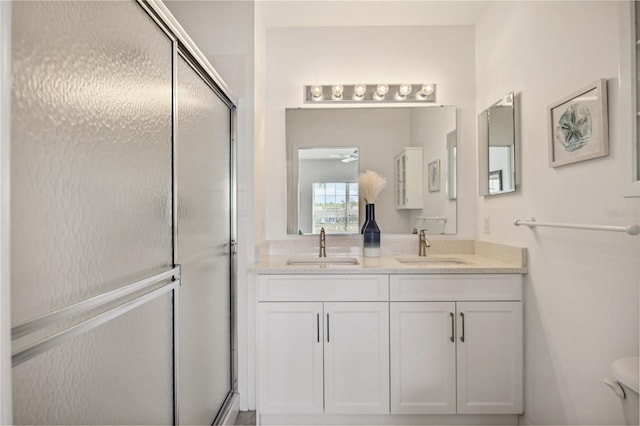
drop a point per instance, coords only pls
(488, 258)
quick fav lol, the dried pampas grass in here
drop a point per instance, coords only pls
(370, 184)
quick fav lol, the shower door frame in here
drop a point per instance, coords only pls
(5, 275)
(183, 51)
(186, 48)
(181, 44)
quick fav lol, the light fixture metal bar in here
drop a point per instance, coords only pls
(349, 93)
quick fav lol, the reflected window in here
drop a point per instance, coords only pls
(335, 207)
(495, 182)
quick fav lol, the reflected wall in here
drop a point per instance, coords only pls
(378, 135)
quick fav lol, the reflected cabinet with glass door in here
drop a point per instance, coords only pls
(409, 188)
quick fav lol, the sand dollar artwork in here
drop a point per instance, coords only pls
(574, 127)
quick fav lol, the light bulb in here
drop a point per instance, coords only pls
(359, 90)
(427, 89)
(381, 90)
(316, 92)
(404, 89)
(337, 90)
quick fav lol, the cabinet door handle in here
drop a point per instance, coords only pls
(462, 336)
(318, 326)
(328, 328)
(453, 327)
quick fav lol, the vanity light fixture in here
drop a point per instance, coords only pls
(362, 93)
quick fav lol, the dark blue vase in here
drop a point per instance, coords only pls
(371, 232)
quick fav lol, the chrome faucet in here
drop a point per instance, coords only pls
(323, 244)
(424, 243)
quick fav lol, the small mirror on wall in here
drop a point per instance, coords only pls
(497, 147)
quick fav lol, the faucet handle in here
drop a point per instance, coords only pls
(423, 237)
(323, 250)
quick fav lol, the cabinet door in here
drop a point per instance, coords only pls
(401, 188)
(356, 348)
(489, 357)
(423, 353)
(290, 357)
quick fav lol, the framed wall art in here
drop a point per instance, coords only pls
(434, 176)
(578, 126)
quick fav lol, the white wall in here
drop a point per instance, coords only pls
(581, 293)
(299, 56)
(430, 132)
(260, 73)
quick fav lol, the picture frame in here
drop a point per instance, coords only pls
(434, 176)
(578, 126)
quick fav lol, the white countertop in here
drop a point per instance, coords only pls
(473, 264)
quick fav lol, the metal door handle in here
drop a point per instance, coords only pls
(231, 247)
(318, 326)
(462, 336)
(453, 327)
(328, 328)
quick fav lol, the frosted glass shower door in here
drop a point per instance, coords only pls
(91, 208)
(203, 250)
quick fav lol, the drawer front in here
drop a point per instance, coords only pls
(323, 288)
(441, 287)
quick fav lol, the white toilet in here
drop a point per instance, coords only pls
(625, 385)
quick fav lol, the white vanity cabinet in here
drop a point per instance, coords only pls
(356, 358)
(456, 344)
(409, 189)
(388, 344)
(290, 362)
(423, 357)
(489, 357)
(323, 344)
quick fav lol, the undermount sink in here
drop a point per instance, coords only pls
(301, 261)
(435, 261)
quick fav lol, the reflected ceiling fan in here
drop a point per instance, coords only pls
(346, 158)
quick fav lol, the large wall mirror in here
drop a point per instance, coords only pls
(497, 147)
(328, 147)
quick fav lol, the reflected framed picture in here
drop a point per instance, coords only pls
(578, 126)
(434, 176)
